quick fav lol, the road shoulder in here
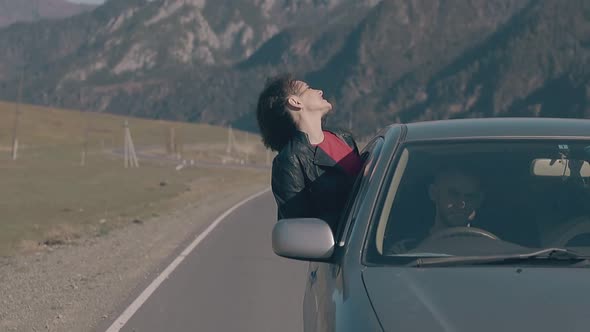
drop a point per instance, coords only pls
(78, 287)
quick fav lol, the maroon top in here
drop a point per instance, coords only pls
(341, 153)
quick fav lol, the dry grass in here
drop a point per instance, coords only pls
(49, 199)
(41, 128)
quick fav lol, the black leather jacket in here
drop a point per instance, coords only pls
(307, 183)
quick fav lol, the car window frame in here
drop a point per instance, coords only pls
(373, 148)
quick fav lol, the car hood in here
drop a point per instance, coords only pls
(480, 298)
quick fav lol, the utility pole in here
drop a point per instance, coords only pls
(229, 140)
(130, 156)
(16, 118)
(247, 148)
(172, 148)
(85, 144)
(86, 130)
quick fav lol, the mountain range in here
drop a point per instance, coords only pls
(378, 62)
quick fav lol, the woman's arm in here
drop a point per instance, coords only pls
(288, 187)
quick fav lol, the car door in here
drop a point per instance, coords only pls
(323, 278)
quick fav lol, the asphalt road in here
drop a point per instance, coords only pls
(231, 281)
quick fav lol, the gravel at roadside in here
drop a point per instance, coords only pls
(75, 287)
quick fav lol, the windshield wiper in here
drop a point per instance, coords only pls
(550, 254)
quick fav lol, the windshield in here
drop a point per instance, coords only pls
(494, 198)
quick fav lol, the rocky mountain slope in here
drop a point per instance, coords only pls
(378, 61)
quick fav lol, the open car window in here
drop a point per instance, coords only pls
(485, 198)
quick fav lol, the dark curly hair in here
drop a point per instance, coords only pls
(274, 121)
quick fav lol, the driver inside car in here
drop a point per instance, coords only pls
(456, 195)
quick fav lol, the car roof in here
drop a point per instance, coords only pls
(494, 128)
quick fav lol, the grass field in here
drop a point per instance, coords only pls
(48, 197)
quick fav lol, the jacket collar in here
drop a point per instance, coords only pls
(320, 157)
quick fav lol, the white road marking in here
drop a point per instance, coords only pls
(142, 298)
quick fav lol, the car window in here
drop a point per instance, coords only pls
(485, 198)
(369, 156)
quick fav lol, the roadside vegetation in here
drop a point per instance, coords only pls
(55, 194)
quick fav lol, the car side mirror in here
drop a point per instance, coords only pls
(307, 239)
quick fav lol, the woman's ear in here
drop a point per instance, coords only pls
(294, 103)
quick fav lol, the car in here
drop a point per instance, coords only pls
(455, 225)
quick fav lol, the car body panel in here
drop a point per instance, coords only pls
(350, 293)
(480, 298)
(342, 301)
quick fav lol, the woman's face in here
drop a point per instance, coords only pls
(311, 99)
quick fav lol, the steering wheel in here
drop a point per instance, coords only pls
(569, 230)
(461, 231)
